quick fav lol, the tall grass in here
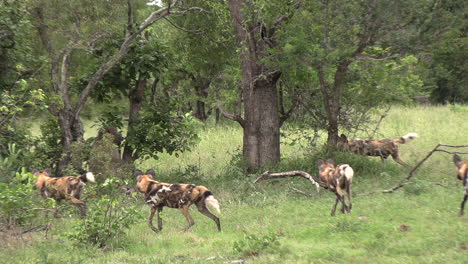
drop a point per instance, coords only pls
(417, 224)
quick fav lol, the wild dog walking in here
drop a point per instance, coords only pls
(462, 174)
(337, 178)
(180, 196)
(376, 147)
(64, 188)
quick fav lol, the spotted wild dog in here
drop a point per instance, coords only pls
(180, 196)
(462, 174)
(337, 178)
(63, 188)
(376, 147)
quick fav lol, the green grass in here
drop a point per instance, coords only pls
(308, 232)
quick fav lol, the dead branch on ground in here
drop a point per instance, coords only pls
(315, 181)
(436, 149)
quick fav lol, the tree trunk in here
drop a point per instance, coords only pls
(261, 145)
(201, 90)
(261, 123)
(135, 98)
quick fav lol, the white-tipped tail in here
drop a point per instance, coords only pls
(90, 177)
(347, 171)
(211, 201)
(409, 137)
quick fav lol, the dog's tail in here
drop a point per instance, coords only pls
(211, 201)
(87, 177)
(406, 138)
(346, 171)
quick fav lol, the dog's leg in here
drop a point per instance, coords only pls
(80, 204)
(57, 207)
(150, 220)
(463, 204)
(202, 208)
(396, 157)
(159, 218)
(334, 206)
(348, 191)
(341, 197)
(185, 211)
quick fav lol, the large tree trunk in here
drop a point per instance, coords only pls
(261, 145)
(72, 131)
(261, 123)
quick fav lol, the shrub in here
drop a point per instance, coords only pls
(253, 245)
(107, 218)
(17, 203)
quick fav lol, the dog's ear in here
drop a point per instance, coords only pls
(139, 177)
(331, 161)
(137, 173)
(48, 171)
(457, 160)
(35, 171)
(319, 162)
(151, 172)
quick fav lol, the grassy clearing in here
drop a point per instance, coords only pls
(306, 233)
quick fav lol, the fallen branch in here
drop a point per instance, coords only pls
(299, 191)
(436, 149)
(267, 175)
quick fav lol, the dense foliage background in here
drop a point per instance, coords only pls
(214, 92)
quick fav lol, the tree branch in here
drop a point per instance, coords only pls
(280, 20)
(411, 173)
(235, 117)
(198, 32)
(315, 181)
(124, 48)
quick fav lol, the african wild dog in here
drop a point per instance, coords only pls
(376, 147)
(462, 174)
(337, 178)
(181, 196)
(63, 188)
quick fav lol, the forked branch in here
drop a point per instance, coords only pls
(315, 181)
(436, 149)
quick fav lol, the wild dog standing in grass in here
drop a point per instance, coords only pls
(337, 178)
(180, 196)
(462, 174)
(64, 188)
(376, 147)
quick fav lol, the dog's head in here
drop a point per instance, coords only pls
(144, 180)
(326, 168)
(343, 141)
(462, 167)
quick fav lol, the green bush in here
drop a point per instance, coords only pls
(18, 205)
(253, 245)
(107, 218)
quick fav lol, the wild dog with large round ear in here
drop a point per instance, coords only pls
(137, 173)
(462, 174)
(180, 196)
(382, 148)
(64, 188)
(337, 178)
(151, 172)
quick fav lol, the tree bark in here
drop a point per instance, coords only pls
(201, 90)
(135, 98)
(261, 123)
